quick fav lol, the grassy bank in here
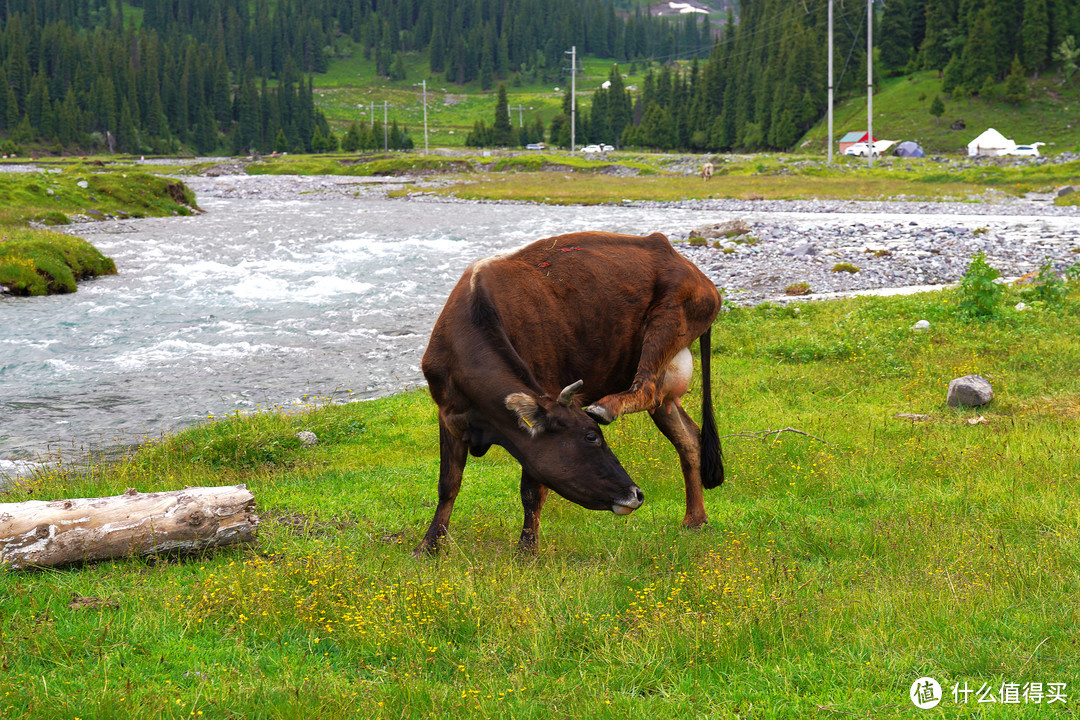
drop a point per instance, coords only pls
(40, 262)
(35, 261)
(835, 570)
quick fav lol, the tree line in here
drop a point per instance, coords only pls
(164, 75)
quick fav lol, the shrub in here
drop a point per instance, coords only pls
(800, 288)
(1048, 286)
(845, 267)
(979, 295)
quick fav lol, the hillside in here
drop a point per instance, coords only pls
(901, 112)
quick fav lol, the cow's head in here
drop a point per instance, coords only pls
(563, 448)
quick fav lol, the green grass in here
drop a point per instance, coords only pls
(835, 569)
(345, 93)
(34, 262)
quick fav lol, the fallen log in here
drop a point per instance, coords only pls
(61, 532)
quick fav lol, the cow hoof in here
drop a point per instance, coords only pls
(600, 414)
(526, 548)
(693, 523)
(425, 550)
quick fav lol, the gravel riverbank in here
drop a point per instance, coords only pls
(892, 244)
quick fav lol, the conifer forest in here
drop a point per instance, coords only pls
(169, 76)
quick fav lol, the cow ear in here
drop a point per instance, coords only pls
(530, 416)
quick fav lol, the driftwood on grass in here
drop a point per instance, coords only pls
(60, 532)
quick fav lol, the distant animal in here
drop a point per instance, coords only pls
(706, 171)
(536, 348)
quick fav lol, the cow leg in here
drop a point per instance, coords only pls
(533, 495)
(685, 435)
(453, 453)
(663, 341)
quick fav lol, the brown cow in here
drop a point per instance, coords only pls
(587, 319)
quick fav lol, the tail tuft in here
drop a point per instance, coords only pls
(712, 458)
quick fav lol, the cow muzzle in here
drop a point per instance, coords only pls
(630, 503)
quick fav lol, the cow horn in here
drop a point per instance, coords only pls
(567, 394)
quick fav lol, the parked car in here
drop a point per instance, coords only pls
(607, 148)
(536, 146)
(592, 149)
(1032, 150)
(859, 150)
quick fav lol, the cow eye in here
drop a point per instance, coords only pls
(592, 437)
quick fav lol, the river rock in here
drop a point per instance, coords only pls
(307, 438)
(1066, 190)
(970, 391)
(728, 228)
(802, 250)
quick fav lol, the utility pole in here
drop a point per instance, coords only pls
(572, 52)
(424, 85)
(386, 136)
(519, 108)
(870, 80)
(830, 83)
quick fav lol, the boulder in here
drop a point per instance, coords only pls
(1065, 190)
(802, 250)
(728, 228)
(306, 437)
(969, 391)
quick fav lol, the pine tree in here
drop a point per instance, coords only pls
(978, 60)
(937, 108)
(896, 37)
(502, 134)
(1016, 88)
(935, 51)
(397, 68)
(1068, 55)
(1035, 35)
(351, 141)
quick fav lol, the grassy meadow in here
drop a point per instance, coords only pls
(902, 112)
(838, 565)
(350, 88)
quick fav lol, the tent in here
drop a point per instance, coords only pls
(991, 142)
(909, 149)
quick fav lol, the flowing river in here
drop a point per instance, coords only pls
(252, 305)
(263, 303)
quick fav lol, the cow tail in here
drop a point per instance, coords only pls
(712, 458)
